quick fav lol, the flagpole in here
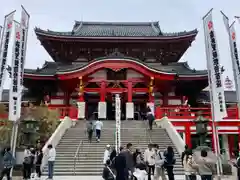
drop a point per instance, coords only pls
(214, 129)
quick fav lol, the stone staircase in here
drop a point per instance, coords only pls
(90, 156)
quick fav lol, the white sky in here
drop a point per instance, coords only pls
(173, 16)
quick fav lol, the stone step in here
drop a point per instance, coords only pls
(92, 173)
(92, 166)
(83, 158)
(93, 163)
(99, 170)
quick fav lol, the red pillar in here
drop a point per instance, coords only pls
(231, 144)
(213, 144)
(81, 97)
(188, 135)
(103, 91)
(130, 91)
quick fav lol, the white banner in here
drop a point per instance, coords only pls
(214, 68)
(118, 122)
(235, 58)
(234, 53)
(7, 29)
(25, 26)
(15, 89)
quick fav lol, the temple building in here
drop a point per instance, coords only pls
(93, 61)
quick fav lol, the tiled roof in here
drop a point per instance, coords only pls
(51, 68)
(114, 29)
(230, 96)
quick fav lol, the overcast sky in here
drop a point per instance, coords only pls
(173, 16)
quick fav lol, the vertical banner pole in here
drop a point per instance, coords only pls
(217, 96)
(18, 62)
(15, 88)
(118, 122)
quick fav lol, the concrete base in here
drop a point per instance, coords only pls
(102, 110)
(81, 110)
(129, 110)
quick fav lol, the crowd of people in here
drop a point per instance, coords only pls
(137, 165)
(32, 162)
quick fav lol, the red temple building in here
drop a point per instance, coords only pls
(95, 60)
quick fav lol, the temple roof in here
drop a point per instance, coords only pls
(114, 29)
(230, 96)
(53, 68)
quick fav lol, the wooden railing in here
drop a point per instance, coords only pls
(190, 113)
(170, 112)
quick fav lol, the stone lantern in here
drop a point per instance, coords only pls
(30, 128)
(201, 129)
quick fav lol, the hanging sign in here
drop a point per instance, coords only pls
(214, 68)
(15, 88)
(7, 29)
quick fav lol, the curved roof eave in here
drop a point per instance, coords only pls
(68, 35)
(106, 60)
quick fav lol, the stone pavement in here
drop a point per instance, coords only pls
(177, 177)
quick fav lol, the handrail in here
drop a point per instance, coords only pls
(76, 156)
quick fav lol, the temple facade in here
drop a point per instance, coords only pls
(96, 60)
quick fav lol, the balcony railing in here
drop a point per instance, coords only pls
(170, 112)
(191, 113)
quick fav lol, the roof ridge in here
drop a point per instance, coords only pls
(132, 23)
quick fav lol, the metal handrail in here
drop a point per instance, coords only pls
(76, 156)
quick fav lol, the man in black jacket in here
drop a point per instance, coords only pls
(120, 165)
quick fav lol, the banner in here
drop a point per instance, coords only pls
(15, 88)
(214, 68)
(24, 26)
(7, 29)
(234, 53)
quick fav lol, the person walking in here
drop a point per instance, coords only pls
(129, 161)
(106, 155)
(120, 165)
(51, 159)
(90, 131)
(149, 158)
(159, 161)
(169, 161)
(27, 160)
(98, 128)
(8, 163)
(138, 157)
(150, 118)
(39, 157)
(205, 166)
(190, 166)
